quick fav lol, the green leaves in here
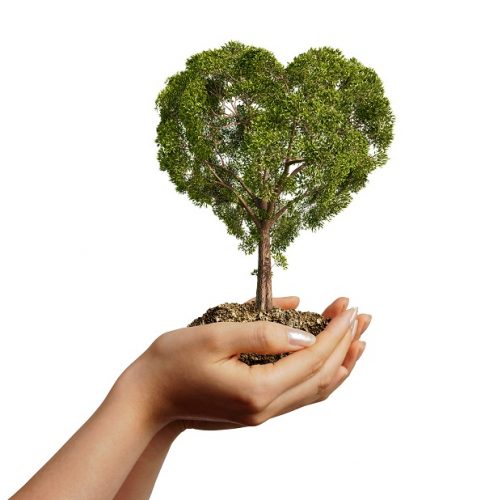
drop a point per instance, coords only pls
(261, 142)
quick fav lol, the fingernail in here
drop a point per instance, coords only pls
(354, 328)
(362, 350)
(368, 319)
(299, 337)
(351, 314)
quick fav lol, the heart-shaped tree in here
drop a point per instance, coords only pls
(272, 149)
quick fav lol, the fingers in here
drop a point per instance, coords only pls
(334, 361)
(286, 302)
(290, 302)
(261, 337)
(355, 352)
(318, 388)
(336, 307)
(302, 365)
(226, 339)
(364, 321)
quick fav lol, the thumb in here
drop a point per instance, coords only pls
(263, 337)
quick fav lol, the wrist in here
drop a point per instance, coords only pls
(144, 395)
(173, 429)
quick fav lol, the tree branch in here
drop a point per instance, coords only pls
(242, 201)
(270, 210)
(295, 160)
(298, 169)
(279, 185)
(237, 178)
(222, 165)
(283, 209)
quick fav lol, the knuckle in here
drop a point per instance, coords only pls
(212, 336)
(260, 401)
(262, 335)
(316, 363)
(322, 389)
(255, 402)
(162, 343)
(323, 383)
(254, 398)
(212, 339)
(253, 419)
(322, 397)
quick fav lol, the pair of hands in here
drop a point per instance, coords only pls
(192, 377)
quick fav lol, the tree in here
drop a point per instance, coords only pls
(272, 149)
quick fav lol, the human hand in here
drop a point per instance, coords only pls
(193, 374)
(353, 354)
(282, 302)
(325, 386)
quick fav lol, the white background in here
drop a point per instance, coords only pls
(99, 254)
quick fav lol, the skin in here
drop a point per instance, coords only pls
(119, 451)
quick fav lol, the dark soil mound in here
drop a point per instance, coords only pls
(232, 311)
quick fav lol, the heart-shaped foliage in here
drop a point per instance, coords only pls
(271, 147)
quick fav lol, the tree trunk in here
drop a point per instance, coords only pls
(264, 293)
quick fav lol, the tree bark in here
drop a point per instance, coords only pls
(264, 293)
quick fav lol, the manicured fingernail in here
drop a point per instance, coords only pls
(351, 315)
(299, 337)
(362, 349)
(354, 328)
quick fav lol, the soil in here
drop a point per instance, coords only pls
(232, 311)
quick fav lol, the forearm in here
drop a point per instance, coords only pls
(141, 480)
(97, 459)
